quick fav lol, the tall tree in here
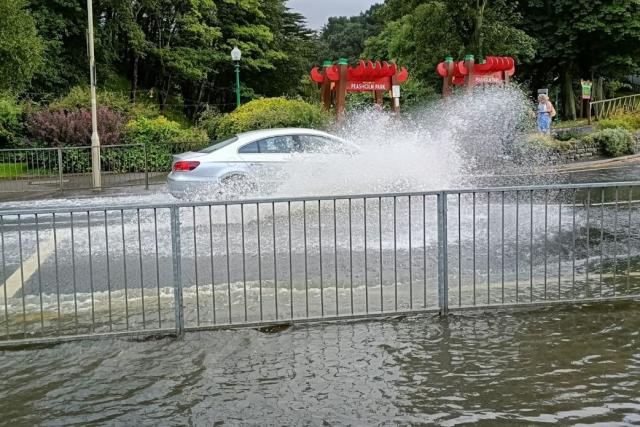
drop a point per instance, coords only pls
(345, 36)
(435, 29)
(62, 25)
(20, 46)
(580, 39)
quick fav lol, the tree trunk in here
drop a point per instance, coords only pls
(568, 96)
(481, 6)
(134, 79)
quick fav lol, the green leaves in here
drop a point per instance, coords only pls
(20, 46)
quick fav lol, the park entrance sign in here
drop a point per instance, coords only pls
(375, 77)
(494, 70)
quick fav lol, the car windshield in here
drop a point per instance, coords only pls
(219, 144)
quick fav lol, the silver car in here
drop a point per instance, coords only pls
(250, 161)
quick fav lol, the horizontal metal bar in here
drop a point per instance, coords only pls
(57, 210)
(30, 342)
(546, 303)
(404, 313)
(84, 147)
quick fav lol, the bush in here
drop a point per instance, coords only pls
(73, 129)
(271, 113)
(161, 131)
(11, 120)
(209, 120)
(162, 138)
(612, 142)
(79, 98)
(628, 121)
(539, 140)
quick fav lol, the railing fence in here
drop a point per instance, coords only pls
(605, 108)
(69, 168)
(167, 269)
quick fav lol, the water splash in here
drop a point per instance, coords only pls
(451, 143)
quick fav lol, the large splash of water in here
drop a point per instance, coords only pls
(450, 143)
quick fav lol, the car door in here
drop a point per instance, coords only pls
(264, 158)
(313, 145)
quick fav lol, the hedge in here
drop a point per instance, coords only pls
(269, 113)
(613, 142)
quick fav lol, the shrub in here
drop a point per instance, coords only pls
(162, 130)
(209, 120)
(11, 120)
(629, 121)
(73, 129)
(547, 142)
(612, 142)
(270, 113)
(162, 138)
(79, 98)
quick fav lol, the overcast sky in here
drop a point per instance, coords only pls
(318, 11)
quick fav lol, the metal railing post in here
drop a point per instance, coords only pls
(60, 170)
(177, 269)
(443, 267)
(146, 168)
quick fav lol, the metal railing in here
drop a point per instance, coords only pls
(605, 108)
(45, 170)
(166, 269)
(69, 168)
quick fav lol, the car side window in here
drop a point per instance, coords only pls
(314, 144)
(276, 144)
(249, 148)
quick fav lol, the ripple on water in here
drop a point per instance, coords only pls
(469, 368)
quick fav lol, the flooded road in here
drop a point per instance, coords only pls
(556, 365)
(563, 365)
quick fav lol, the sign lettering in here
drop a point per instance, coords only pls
(367, 86)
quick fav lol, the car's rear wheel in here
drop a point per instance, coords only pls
(236, 187)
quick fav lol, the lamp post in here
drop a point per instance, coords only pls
(95, 139)
(236, 56)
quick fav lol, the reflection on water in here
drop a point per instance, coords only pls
(566, 365)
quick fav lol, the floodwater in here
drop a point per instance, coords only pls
(562, 364)
(566, 365)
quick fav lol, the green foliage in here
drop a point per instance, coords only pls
(612, 142)
(79, 98)
(434, 29)
(162, 131)
(416, 93)
(344, 37)
(541, 141)
(616, 123)
(578, 38)
(570, 123)
(272, 113)
(209, 120)
(20, 47)
(11, 120)
(628, 121)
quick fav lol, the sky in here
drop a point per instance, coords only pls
(318, 11)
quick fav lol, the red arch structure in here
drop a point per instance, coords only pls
(376, 77)
(495, 70)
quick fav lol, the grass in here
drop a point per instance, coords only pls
(17, 170)
(564, 124)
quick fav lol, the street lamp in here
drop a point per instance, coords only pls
(95, 140)
(236, 56)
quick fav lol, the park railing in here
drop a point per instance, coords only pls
(70, 273)
(59, 169)
(605, 108)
